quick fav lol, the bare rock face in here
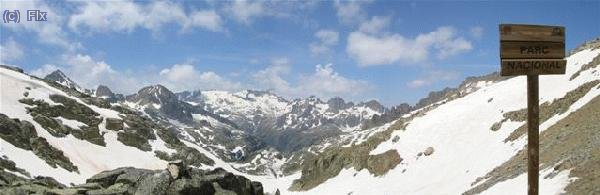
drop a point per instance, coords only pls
(428, 151)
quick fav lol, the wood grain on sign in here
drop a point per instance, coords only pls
(513, 67)
(529, 50)
(522, 32)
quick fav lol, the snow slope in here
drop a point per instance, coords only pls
(465, 147)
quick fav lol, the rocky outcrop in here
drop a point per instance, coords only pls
(104, 92)
(22, 134)
(114, 124)
(389, 116)
(176, 179)
(46, 115)
(330, 162)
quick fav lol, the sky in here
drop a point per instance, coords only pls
(390, 51)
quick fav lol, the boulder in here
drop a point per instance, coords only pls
(118, 188)
(106, 178)
(114, 124)
(190, 186)
(428, 151)
(175, 168)
(156, 183)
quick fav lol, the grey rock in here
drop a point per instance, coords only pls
(428, 151)
(156, 183)
(114, 124)
(104, 92)
(118, 188)
(175, 168)
(106, 178)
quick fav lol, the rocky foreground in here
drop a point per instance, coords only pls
(176, 179)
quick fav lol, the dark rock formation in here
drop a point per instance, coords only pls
(114, 124)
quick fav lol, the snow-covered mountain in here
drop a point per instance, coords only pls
(468, 139)
(277, 121)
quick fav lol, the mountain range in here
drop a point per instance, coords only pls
(56, 137)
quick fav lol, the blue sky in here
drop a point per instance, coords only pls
(392, 51)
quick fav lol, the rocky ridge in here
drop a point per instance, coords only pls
(177, 178)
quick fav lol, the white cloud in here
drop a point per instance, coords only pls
(324, 82)
(44, 70)
(386, 48)
(327, 39)
(49, 32)
(433, 76)
(375, 25)
(185, 77)
(10, 52)
(271, 78)
(205, 19)
(244, 11)
(477, 32)
(127, 16)
(349, 12)
(89, 73)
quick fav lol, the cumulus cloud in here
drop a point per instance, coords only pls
(44, 70)
(349, 12)
(181, 77)
(433, 76)
(326, 39)
(208, 19)
(89, 73)
(375, 25)
(10, 52)
(100, 16)
(371, 47)
(245, 11)
(49, 32)
(271, 78)
(323, 82)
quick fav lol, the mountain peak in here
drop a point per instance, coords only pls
(60, 77)
(103, 91)
(153, 94)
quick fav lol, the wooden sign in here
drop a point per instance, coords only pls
(524, 32)
(532, 50)
(514, 67)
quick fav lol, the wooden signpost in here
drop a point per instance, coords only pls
(532, 50)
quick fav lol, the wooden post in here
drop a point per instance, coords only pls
(533, 113)
(532, 50)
